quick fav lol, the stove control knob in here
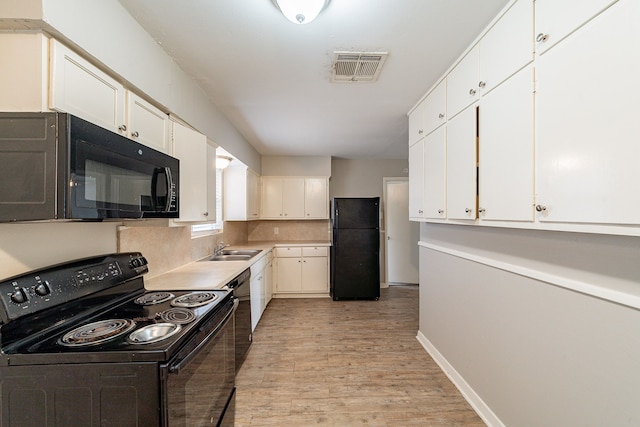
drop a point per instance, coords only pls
(19, 296)
(42, 289)
(135, 263)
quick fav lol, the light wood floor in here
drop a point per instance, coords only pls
(318, 362)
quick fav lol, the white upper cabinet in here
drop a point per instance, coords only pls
(197, 174)
(506, 150)
(416, 124)
(316, 198)
(79, 88)
(147, 124)
(434, 184)
(241, 194)
(416, 180)
(462, 83)
(295, 198)
(587, 123)
(556, 19)
(435, 107)
(461, 165)
(507, 46)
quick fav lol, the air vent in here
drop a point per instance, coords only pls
(357, 67)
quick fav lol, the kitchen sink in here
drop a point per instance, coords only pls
(235, 255)
(250, 252)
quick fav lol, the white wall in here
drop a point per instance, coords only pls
(296, 166)
(533, 351)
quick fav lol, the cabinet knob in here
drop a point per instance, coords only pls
(540, 38)
(440, 211)
(441, 116)
(206, 214)
(420, 132)
(472, 92)
(419, 210)
(122, 128)
(541, 208)
(482, 210)
(482, 84)
(467, 210)
(135, 134)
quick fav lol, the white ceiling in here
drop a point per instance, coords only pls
(271, 78)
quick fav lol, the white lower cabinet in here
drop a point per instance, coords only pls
(302, 269)
(261, 287)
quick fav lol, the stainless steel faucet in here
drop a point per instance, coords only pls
(219, 248)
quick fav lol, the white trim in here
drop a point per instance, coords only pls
(553, 279)
(478, 405)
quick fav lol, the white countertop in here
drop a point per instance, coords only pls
(201, 275)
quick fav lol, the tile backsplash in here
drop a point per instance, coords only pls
(167, 248)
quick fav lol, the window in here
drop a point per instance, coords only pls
(210, 227)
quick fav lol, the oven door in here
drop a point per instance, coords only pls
(199, 382)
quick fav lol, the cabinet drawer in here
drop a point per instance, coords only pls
(314, 251)
(289, 252)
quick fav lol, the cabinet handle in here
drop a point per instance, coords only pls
(472, 91)
(482, 84)
(541, 208)
(441, 116)
(467, 210)
(440, 211)
(420, 132)
(135, 134)
(123, 128)
(419, 210)
(206, 214)
(540, 38)
(481, 210)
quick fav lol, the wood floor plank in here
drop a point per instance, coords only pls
(318, 362)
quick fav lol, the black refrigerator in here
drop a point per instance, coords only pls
(355, 251)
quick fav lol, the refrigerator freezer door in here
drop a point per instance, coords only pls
(356, 212)
(355, 265)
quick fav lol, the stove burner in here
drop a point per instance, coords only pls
(152, 298)
(97, 332)
(178, 315)
(194, 299)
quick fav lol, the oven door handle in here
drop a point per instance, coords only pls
(176, 367)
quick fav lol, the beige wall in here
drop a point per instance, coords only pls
(363, 178)
(296, 165)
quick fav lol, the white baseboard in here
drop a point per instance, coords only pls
(465, 389)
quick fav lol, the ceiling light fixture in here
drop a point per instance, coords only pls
(222, 162)
(301, 11)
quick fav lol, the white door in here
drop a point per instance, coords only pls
(402, 235)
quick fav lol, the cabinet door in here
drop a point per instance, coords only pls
(461, 165)
(147, 124)
(271, 197)
(435, 111)
(435, 159)
(316, 198)
(315, 276)
(268, 282)
(416, 180)
(289, 275)
(506, 150)
(462, 83)
(416, 124)
(556, 19)
(253, 195)
(79, 88)
(293, 198)
(257, 298)
(587, 121)
(190, 147)
(508, 46)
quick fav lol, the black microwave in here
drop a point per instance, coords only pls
(58, 166)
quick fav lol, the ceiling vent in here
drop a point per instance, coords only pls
(357, 67)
